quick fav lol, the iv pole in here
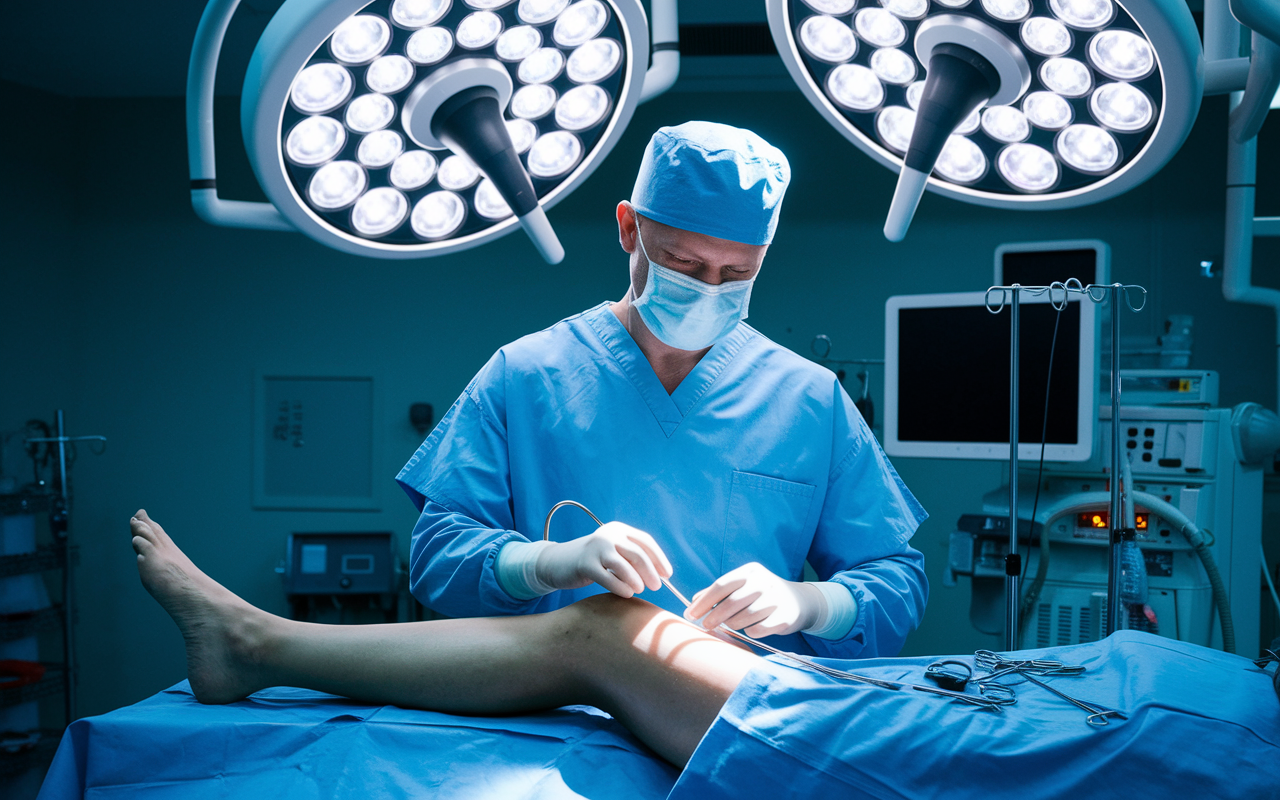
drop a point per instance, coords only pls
(58, 525)
(1013, 559)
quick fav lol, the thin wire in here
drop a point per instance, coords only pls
(976, 700)
(1044, 435)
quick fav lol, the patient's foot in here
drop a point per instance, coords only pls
(219, 628)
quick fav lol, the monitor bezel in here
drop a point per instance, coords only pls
(1087, 400)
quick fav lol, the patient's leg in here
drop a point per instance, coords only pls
(662, 678)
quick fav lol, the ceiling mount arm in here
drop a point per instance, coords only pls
(201, 74)
(662, 74)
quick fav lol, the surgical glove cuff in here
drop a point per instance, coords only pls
(837, 611)
(516, 568)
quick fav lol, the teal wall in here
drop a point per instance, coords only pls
(147, 325)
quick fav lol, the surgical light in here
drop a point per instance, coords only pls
(360, 40)
(407, 128)
(1122, 55)
(1084, 14)
(533, 102)
(478, 30)
(1007, 10)
(856, 87)
(379, 211)
(429, 46)
(522, 133)
(518, 43)
(836, 7)
(1045, 36)
(389, 74)
(893, 66)
(321, 88)
(994, 83)
(554, 154)
(1005, 124)
(961, 160)
(541, 66)
(580, 23)
(379, 148)
(457, 173)
(1066, 76)
(907, 9)
(581, 107)
(828, 39)
(879, 27)
(1047, 110)
(315, 140)
(413, 14)
(438, 215)
(894, 125)
(593, 61)
(336, 185)
(1121, 107)
(1088, 148)
(1028, 167)
(413, 170)
(489, 204)
(370, 112)
(537, 12)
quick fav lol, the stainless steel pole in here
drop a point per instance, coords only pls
(68, 595)
(1013, 566)
(1115, 523)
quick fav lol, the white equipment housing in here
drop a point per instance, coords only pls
(1193, 465)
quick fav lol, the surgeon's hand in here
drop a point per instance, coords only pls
(755, 601)
(622, 559)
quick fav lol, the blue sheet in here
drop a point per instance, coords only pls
(1201, 724)
(291, 744)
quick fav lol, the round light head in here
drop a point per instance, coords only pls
(1130, 69)
(340, 96)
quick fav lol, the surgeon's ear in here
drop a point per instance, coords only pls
(627, 226)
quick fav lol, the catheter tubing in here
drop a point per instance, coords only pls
(201, 74)
(665, 37)
(1156, 505)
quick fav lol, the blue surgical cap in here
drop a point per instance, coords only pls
(715, 179)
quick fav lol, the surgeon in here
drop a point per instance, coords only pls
(720, 459)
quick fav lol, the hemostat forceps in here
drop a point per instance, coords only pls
(1028, 669)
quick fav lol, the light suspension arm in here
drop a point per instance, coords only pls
(201, 74)
(1260, 88)
(665, 26)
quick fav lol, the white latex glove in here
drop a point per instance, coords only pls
(622, 559)
(755, 601)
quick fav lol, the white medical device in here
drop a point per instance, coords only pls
(952, 345)
(1185, 456)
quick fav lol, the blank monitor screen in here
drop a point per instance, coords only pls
(947, 378)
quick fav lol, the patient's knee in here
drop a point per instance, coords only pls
(602, 622)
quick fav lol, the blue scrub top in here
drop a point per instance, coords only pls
(758, 455)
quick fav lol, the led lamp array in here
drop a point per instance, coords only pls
(1092, 104)
(344, 143)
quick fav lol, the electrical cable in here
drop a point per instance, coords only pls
(976, 700)
(1266, 573)
(1199, 539)
(1044, 436)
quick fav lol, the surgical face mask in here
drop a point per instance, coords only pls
(686, 313)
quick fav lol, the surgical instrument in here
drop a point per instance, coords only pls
(1027, 669)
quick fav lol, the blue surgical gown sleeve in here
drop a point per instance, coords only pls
(460, 480)
(861, 542)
